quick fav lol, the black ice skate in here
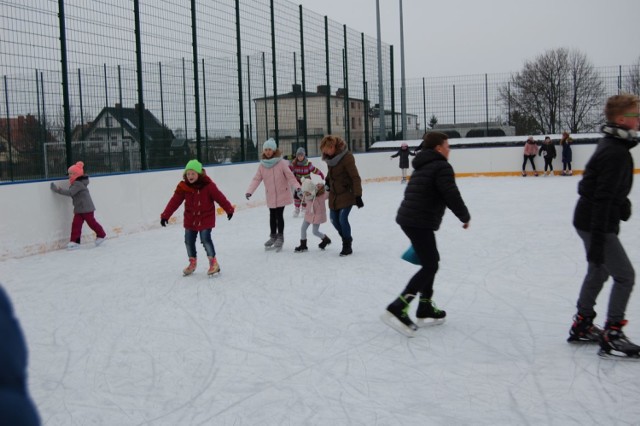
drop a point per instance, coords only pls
(583, 330)
(614, 343)
(397, 316)
(428, 313)
(325, 242)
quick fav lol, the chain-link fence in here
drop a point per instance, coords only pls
(133, 85)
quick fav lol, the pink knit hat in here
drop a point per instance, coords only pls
(76, 171)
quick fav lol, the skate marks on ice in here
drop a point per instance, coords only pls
(296, 339)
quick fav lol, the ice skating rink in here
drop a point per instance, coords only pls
(118, 337)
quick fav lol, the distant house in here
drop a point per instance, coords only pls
(475, 130)
(22, 142)
(395, 118)
(291, 118)
(115, 136)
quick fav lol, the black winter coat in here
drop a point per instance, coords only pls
(547, 151)
(605, 185)
(404, 157)
(431, 189)
(16, 407)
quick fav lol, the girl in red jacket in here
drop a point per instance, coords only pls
(199, 194)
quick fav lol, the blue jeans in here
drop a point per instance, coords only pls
(340, 221)
(205, 238)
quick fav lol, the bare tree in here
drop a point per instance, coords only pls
(585, 94)
(632, 80)
(559, 83)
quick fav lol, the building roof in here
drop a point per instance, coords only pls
(26, 133)
(128, 118)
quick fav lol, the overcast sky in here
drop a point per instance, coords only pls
(460, 37)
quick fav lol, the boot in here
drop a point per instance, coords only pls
(325, 242)
(213, 266)
(193, 262)
(302, 247)
(428, 313)
(271, 241)
(397, 315)
(614, 342)
(346, 247)
(583, 329)
(279, 242)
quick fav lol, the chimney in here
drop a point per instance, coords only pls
(297, 89)
(323, 89)
(340, 92)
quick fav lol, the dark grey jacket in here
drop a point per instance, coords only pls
(431, 189)
(79, 194)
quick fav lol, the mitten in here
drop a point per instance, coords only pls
(625, 210)
(163, 222)
(229, 216)
(595, 253)
(247, 195)
(299, 193)
(359, 202)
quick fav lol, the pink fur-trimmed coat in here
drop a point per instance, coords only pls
(278, 181)
(316, 211)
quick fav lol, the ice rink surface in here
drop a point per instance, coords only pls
(118, 337)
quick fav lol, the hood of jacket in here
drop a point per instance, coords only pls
(425, 157)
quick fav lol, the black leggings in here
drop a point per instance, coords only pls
(276, 220)
(424, 243)
(547, 163)
(530, 158)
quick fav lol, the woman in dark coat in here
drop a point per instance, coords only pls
(404, 154)
(431, 190)
(345, 187)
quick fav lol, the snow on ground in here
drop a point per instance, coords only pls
(118, 337)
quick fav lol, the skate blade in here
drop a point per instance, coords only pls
(619, 356)
(579, 341)
(429, 322)
(393, 322)
(213, 274)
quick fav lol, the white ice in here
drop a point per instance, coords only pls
(118, 337)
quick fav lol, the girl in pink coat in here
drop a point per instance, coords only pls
(316, 213)
(530, 152)
(278, 179)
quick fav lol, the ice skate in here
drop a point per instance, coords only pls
(428, 313)
(214, 268)
(100, 241)
(397, 316)
(583, 330)
(614, 343)
(324, 243)
(193, 262)
(524, 174)
(73, 245)
(270, 242)
(302, 247)
(277, 245)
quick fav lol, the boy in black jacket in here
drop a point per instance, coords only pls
(603, 203)
(430, 191)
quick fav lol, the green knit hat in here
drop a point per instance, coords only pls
(194, 165)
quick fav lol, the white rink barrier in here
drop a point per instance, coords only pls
(35, 220)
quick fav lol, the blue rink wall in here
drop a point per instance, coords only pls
(36, 220)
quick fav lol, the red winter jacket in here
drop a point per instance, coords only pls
(199, 207)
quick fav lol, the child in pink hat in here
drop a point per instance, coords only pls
(83, 208)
